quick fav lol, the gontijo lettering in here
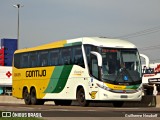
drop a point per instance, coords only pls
(36, 73)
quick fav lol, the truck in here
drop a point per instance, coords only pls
(151, 77)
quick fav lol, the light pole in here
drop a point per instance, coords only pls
(18, 6)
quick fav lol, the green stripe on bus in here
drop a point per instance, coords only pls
(63, 78)
(59, 78)
(132, 87)
(73, 44)
(77, 43)
(54, 79)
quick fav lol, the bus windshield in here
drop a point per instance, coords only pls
(121, 66)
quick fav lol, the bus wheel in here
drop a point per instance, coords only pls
(118, 103)
(34, 100)
(27, 97)
(33, 97)
(81, 98)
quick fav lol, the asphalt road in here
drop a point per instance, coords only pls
(141, 110)
(49, 111)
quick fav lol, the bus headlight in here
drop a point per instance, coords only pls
(103, 87)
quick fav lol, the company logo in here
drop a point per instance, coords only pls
(78, 72)
(8, 74)
(93, 94)
(17, 74)
(36, 73)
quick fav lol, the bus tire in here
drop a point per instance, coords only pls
(118, 103)
(33, 97)
(34, 100)
(26, 97)
(81, 98)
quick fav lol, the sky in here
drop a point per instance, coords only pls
(45, 21)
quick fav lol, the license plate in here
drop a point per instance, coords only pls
(124, 96)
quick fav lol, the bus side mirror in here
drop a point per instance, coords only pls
(99, 57)
(96, 65)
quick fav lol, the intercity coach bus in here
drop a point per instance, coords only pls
(83, 69)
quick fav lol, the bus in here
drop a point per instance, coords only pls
(86, 69)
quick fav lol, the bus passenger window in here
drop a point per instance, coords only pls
(24, 59)
(54, 57)
(33, 59)
(77, 56)
(17, 60)
(43, 58)
(44, 62)
(94, 66)
(66, 56)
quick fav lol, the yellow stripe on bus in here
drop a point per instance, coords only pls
(116, 87)
(56, 44)
(39, 82)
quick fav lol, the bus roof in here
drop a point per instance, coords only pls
(107, 42)
(96, 41)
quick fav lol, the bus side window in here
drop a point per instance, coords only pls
(88, 49)
(24, 61)
(87, 52)
(66, 56)
(17, 60)
(54, 57)
(77, 56)
(33, 59)
(94, 66)
(43, 58)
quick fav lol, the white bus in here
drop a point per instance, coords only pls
(83, 69)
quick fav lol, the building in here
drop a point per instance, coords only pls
(5, 80)
(7, 48)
